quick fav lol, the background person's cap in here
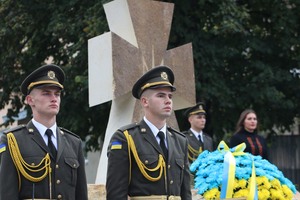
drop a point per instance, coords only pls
(195, 110)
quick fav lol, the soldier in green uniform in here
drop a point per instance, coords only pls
(198, 140)
(40, 160)
(148, 160)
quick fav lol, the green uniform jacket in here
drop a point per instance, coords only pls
(148, 149)
(69, 168)
(195, 143)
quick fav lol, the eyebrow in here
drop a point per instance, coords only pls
(164, 93)
(50, 89)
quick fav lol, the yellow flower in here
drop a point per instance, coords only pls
(276, 194)
(287, 192)
(263, 194)
(241, 193)
(275, 183)
(212, 194)
(263, 182)
(239, 184)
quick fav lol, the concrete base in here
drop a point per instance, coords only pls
(97, 192)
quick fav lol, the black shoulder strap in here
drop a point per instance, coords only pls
(69, 132)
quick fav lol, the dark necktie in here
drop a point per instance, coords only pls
(162, 144)
(201, 143)
(50, 144)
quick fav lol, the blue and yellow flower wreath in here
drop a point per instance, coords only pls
(227, 172)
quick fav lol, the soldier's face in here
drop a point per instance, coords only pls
(158, 102)
(45, 101)
(197, 122)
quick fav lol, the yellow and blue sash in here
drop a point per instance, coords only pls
(229, 171)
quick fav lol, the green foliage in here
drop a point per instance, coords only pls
(32, 32)
(243, 51)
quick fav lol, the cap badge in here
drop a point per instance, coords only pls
(51, 74)
(201, 107)
(164, 75)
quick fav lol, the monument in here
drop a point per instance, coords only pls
(137, 41)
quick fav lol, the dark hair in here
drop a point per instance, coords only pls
(240, 122)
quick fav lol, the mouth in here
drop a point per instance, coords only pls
(168, 109)
(53, 106)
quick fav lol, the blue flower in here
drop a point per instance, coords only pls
(208, 169)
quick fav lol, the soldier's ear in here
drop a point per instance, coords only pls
(190, 119)
(143, 99)
(29, 100)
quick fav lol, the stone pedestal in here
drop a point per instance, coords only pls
(97, 192)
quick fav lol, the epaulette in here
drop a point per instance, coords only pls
(184, 132)
(175, 131)
(67, 131)
(19, 127)
(128, 127)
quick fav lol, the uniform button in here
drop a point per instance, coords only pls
(58, 182)
(171, 182)
(74, 165)
(59, 196)
(56, 166)
(32, 164)
(146, 161)
(169, 166)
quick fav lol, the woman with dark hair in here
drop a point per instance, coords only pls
(246, 131)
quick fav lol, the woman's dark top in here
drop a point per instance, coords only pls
(255, 144)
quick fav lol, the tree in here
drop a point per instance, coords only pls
(243, 52)
(34, 31)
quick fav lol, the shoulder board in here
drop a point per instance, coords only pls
(19, 127)
(175, 131)
(69, 132)
(206, 134)
(128, 127)
(184, 132)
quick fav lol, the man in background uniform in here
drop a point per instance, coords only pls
(41, 160)
(148, 160)
(198, 140)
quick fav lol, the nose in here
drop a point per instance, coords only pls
(168, 100)
(53, 97)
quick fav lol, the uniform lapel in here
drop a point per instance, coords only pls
(148, 135)
(207, 142)
(204, 141)
(61, 142)
(36, 136)
(194, 141)
(171, 143)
